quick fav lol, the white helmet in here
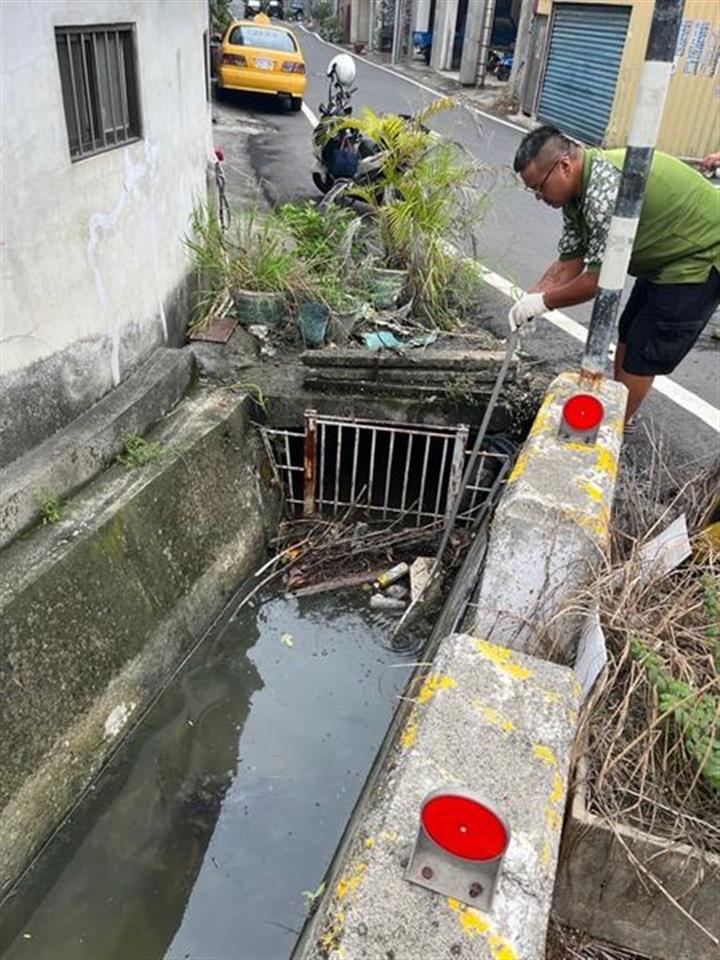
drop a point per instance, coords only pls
(342, 67)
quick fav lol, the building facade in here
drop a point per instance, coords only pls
(581, 64)
(106, 138)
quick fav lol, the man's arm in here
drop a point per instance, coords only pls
(558, 274)
(579, 290)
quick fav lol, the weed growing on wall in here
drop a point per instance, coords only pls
(51, 506)
(137, 451)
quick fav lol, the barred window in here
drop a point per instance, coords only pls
(98, 75)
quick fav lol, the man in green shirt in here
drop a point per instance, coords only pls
(675, 256)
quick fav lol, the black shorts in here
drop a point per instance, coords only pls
(662, 321)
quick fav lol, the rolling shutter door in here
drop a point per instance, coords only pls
(586, 47)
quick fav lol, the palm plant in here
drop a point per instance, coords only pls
(425, 206)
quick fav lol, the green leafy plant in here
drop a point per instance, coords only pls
(51, 506)
(711, 606)
(312, 897)
(696, 713)
(425, 206)
(220, 15)
(318, 234)
(138, 451)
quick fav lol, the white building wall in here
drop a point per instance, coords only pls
(93, 260)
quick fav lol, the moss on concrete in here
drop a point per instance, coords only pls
(111, 598)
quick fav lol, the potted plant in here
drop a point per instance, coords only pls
(425, 207)
(254, 261)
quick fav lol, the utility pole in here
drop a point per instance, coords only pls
(649, 105)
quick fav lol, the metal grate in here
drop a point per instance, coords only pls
(391, 470)
(98, 76)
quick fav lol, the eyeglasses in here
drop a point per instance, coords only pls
(539, 189)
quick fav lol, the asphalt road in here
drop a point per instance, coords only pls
(517, 238)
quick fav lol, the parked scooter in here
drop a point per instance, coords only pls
(345, 154)
(500, 63)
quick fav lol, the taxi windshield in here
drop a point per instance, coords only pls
(264, 38)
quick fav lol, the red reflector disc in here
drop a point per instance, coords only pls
(464, 827)
(583, 412)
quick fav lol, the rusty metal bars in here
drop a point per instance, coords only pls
(390, 470)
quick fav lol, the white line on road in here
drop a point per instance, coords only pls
(700, 408)
(417, 83)
(309, 114)
(684, 398)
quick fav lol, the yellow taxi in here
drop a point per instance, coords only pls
(255, 55)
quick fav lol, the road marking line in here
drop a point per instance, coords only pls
(417, 83)
(313, 120)
(683, 397)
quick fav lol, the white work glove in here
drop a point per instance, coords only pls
(522, 314)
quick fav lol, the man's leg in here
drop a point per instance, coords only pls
(638, 389)
(659, 326)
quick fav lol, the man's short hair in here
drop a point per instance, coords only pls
(532, 143)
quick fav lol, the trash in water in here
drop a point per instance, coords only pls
(390, 576)
(397, 590)
(380, 602)
(287, 639)
(420, 570)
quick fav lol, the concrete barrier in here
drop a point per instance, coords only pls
(98, 608)
(74, 455)
(552, 524)
(487, 720)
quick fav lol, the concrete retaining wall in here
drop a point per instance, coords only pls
(602, 888)
(490, 721)
(99, 608)
(74, 455)
(552, 524)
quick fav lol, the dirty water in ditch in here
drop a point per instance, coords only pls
(228, 801)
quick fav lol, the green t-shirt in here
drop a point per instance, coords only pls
(678, 236)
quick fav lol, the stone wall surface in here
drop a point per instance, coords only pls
(98, 609)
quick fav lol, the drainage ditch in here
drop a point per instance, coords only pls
(210, 830)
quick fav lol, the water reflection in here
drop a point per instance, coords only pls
(227, 803)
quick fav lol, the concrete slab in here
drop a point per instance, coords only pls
(99, 608)
(70, 458)
(488, 720)
(609, 879)
(552, 525)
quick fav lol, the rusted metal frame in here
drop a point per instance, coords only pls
(457, 464)
(309, 462)
(322, 431)
(384, 427)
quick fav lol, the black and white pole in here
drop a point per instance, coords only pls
(649, 105)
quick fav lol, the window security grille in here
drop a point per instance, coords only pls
(98, 75)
